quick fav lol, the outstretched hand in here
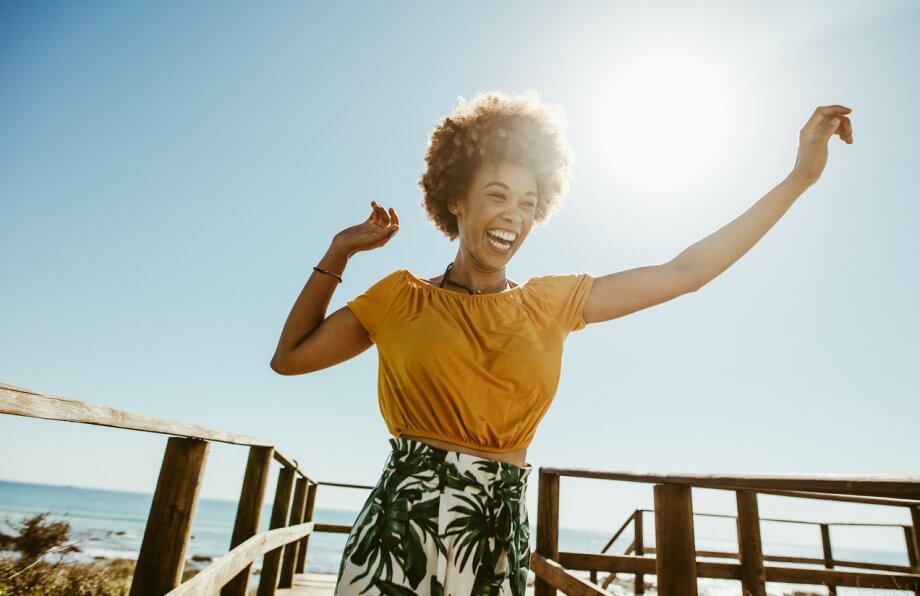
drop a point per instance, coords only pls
(381, 225)
(825, 122)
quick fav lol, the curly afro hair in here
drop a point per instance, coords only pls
(493, 128)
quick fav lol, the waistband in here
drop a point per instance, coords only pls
(487, 471)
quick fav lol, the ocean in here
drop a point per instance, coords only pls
(110, 524)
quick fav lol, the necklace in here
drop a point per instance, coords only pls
(444, 278)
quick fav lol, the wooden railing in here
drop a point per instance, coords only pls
(161, 560)
(284, 546)
(675, 557)
(637, 546)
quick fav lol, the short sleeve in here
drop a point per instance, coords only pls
(372, 307)
(567, 295)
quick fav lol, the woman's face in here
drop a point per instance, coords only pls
(502, 198)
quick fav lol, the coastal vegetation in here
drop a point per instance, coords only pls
(34, 562)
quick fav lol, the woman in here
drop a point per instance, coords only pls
(470, 360)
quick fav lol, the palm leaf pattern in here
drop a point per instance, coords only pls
(487, 529)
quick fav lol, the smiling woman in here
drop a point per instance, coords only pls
(468, 367)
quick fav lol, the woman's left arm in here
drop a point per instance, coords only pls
(706, 259)
(624, 292)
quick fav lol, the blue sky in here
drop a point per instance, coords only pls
(170, 173)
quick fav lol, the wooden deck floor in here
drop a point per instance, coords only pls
(310, 584)
(319, 584)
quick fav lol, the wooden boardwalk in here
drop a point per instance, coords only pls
(309, 584)
(318, 584)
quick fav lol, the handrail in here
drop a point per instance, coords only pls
(792, 521)
(19, 401)
(897, 486)
(841, 498)
(225, 568)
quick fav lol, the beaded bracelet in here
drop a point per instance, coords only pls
(329, 272)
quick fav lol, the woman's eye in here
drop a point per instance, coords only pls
(502, 197)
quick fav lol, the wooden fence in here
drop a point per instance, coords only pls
(161, 560)
(283, 547)
(675, 562)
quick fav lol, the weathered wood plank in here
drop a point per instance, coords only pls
(547, 526)
(639, 549)
(675, 563)
(307, 516)
(899, 486)
(24, 402)
(850, 579)
(169, 523)
(268, 578)
(552, 573)
(828, 555)
(210, 579)
(750, 550)
(249, 511)
(289, 558)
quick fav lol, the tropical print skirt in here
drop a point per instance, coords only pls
(440, 523)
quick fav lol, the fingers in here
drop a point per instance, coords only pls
(846, 129)
(381, 217)
(822, 123)
(384, 217)
(831, 111)
(842, 127)
(827, 113)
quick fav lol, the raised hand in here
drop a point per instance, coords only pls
(381, 225)
(825, 122)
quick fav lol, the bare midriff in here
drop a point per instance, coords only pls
(518, 458)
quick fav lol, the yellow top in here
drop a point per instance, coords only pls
(478, 370)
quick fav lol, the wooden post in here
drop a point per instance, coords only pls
(750, 550)
(268, 579)
(547, 526)
(915, 518)
(675, 551)
(912, 555)
(307, 516)
(828, 555)
(290, 549)
(249, 511)
(639, 546)
(914, 542)
(911, 549)
(169, 524)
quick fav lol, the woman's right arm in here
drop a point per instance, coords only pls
(310, 341)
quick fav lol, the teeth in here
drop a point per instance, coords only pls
(498, 245)
(504, 235)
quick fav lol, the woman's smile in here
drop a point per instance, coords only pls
(500, 246)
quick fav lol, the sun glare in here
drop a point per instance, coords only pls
(661, 116)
